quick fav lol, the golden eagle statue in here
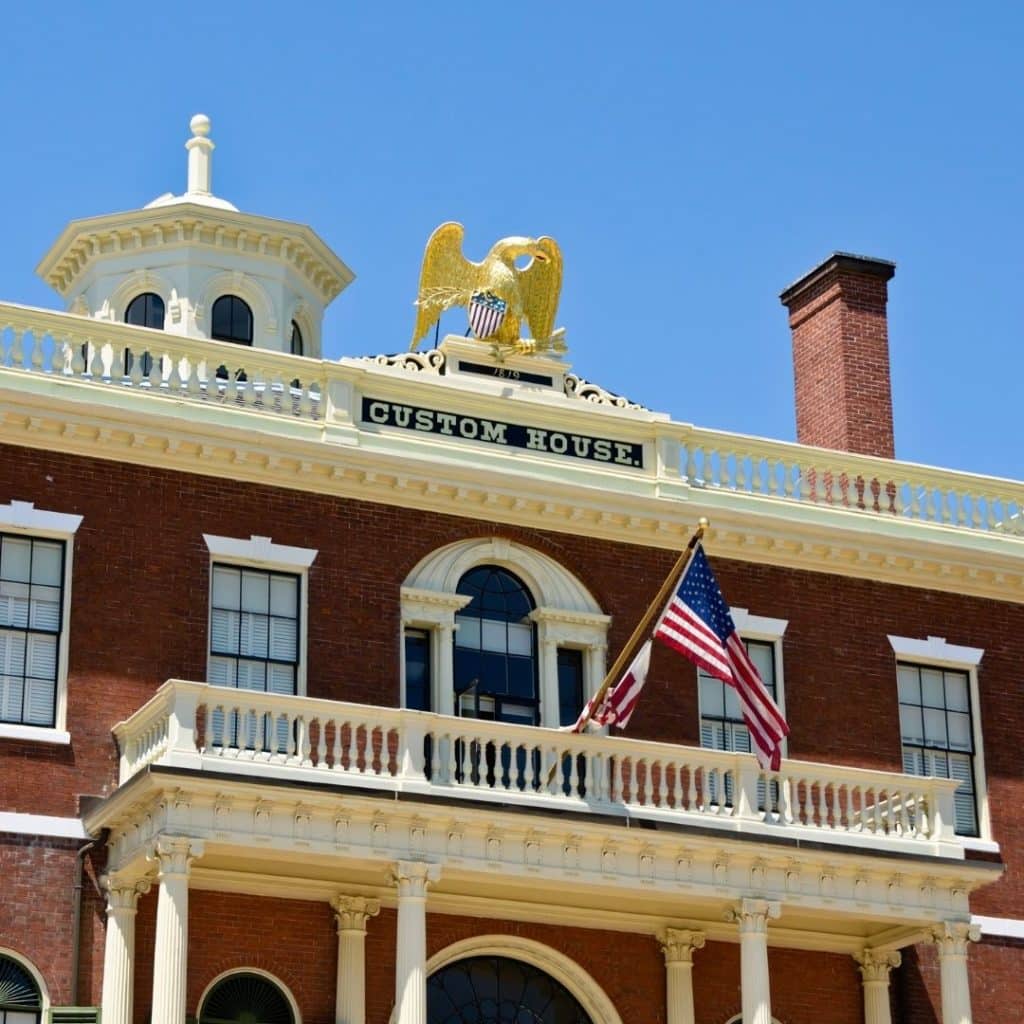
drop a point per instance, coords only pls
(497, 294)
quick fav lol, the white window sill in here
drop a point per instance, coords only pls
(34, 734)
(980, 845)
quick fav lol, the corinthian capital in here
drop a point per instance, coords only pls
(952, 937)
(352, 912)
(174, 855)
(413, 876)
(752, 915)
(678, 944)
(875, 964)
(122, 893)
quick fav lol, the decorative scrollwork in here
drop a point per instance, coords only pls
(577, 387)
(431, 361)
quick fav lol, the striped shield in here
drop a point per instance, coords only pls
(486, 314)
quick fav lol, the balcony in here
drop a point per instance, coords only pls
(198, 728)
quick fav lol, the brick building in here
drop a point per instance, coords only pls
(285, 643)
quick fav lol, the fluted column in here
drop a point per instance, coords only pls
(119, 950)
(874, 966)
(412, 879)
(678, 945)
(752, 917)
(351, 914)
(174, 856)
(952, 937)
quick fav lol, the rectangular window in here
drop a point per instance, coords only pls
(417, 669)
(254, 629)
(31, 617)
(938, 734)
(721, 721)
(570, 685)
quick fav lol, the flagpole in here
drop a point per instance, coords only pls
(653, 609)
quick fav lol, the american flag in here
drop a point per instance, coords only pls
(698, 624)
(618, 704)
(486, 313)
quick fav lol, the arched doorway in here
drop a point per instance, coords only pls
(495, 989)
(21, 1001)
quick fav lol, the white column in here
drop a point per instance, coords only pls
(412, 879)
(444, 682)
(174, 856)
(952, 937)
(549, 682)
(752, 917)
(352, 913)
(119, 950)
(678, 945)
(874, 966)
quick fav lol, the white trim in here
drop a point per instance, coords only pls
(936, 651)
(259, 551)
(272, 978)
(42, 825)
(24, 517)
(44, 992)
(35, 733)
(758, 627)
(1005, 927)
(562, 968)
(738, 1019)
(980, 845)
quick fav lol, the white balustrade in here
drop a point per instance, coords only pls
(199, 725)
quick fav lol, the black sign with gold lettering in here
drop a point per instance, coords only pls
(509, 435)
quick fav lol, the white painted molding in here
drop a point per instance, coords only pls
(758, 627)
(1004, 927)
(259, 551)
(936, 650)
(34, 733)
(563, 969)
(272, 978)
(42, 825)
(37, 975)
(23, 515)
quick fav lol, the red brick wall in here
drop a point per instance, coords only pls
(841, 364)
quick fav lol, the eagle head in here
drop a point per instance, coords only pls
(508, 250)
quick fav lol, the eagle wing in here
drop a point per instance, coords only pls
(540, 284)
(447, 278)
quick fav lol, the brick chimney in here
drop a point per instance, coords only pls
(841, 355)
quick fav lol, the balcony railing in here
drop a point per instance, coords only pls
(300, 739)
(110, 358)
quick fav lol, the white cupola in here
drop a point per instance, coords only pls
(195, 265)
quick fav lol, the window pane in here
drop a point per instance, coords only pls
(931, 688)
(280, 679)
(417, 670)
(468, 633)
(11, 692)
(41, 657)
(494, 636)
(251, 675)
(45, 608)
(224, 629)
(763, 657)
(12, 653)
(520, 639)
(732, 703)
(46, 563)
(15, 559)
(284, 639)
(935, 727)
(255, 592)
(14, 604)
(39, 701)
(911, 725)
(959, 731)
(284, 596)
(226, 587)
(570, 685)
(956, 692)
(494, 678)
(520, 672)
(254, 636)
(712, 700)
(909, 684)
(222, 671)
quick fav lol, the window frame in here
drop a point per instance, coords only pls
(936, 652)
(263, 554)
(258, 971)
(761, 629)
(252, 321)
(33, 971)
(146, 294)
(22, 518)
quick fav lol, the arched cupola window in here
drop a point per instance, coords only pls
(246, 998)
(498, 988)
(146, 310)
(21, 1002)
(495, 648)
(296, 340)
(231, 320)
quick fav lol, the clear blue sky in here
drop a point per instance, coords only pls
(691, 160)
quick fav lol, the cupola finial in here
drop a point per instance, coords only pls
(199, 149)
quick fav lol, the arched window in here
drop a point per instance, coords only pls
(495, 648)
(145, 310)
(297, 349)
(231, 320)
(497, 988)
(21, 1002)
(246, 998)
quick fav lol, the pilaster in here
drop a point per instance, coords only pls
(678, 944)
